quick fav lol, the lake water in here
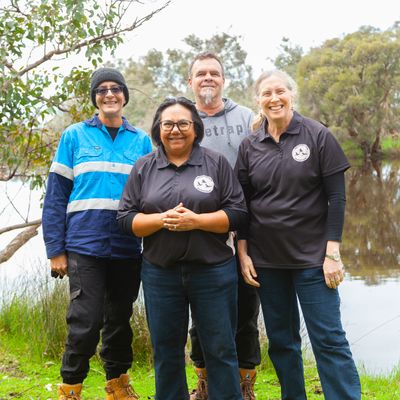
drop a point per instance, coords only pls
(370, 250)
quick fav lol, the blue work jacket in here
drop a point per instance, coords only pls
(84, 187)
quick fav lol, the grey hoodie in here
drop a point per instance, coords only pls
(224, 131)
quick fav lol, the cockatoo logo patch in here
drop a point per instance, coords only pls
(301, 152)
(204, 183)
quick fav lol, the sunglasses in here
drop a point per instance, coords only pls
(104, 91)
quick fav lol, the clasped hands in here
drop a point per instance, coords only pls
(179, 219)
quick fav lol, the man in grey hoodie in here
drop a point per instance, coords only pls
(225, 125)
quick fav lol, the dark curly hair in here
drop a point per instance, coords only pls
(184, 102)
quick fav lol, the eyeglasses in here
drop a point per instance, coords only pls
(183, 125)
(104, 91)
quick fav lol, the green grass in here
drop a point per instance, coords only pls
(25, 377)
(391, 146)
(32, 336)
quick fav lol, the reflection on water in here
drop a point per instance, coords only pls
(371, 251)
(371, 244)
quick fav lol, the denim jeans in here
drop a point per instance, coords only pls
(211, 294)
(102, 292)
(320, 305)
(247, 335)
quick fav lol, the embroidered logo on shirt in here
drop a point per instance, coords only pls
(204, 183)
(301, 152)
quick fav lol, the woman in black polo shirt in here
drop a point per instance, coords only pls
(292, 173)
(183, 200)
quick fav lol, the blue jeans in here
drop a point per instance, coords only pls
(320, 305)
(211, 294)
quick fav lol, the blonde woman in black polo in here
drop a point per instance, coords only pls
(292, 172)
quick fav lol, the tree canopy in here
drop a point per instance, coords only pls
(352, 85)
(33, 88)
(157, 75)
(33, 34)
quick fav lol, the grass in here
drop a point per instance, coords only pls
(24, 377)
(32, 336)
(390, 148)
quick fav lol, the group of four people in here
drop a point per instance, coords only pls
(215, 197)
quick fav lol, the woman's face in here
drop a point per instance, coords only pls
(178, 141)
(275, 99)
(110, 104)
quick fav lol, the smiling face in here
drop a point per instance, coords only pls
(207, 81)
(177, 145)
(110, 106)
(275, 100)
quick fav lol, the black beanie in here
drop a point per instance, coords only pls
(107, 74)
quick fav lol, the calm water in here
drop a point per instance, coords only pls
(371, 252)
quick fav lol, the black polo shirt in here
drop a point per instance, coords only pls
(205, 183)
(284, 192)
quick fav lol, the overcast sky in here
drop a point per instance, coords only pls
(261, 23)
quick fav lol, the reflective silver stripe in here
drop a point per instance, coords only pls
(62, 170)
(102, 166)
(92, 204)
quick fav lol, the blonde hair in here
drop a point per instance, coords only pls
(289, 82)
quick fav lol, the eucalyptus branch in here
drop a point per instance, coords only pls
(18, 242)
(20, 226)
(16, 9)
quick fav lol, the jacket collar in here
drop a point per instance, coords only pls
(95, 121)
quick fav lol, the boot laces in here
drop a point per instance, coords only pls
(132, 394)
(71, 396)
(247, 389)
(202, 389)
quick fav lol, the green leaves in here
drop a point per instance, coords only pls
(157, 75)
(352, 85)
(35, 93)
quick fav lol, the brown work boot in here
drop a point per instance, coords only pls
(120, 389)
(247, 381)
(201, 391)
(69, 392)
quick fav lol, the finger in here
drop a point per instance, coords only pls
(171, 227)
(253, 271)
(329, 282)
(251, 281)
(171, 220)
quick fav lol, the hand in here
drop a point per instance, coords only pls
(333, 272)
(248, 271)
(180, 219)
(59, 264)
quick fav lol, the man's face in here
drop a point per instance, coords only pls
(207, 80)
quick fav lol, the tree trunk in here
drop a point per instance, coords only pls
(376, 150)
(366, 149)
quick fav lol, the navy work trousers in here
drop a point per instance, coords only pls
(102, 292)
